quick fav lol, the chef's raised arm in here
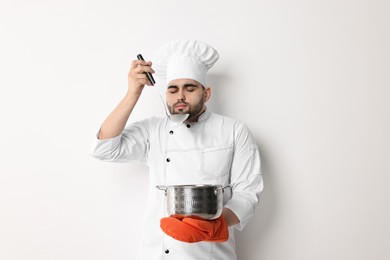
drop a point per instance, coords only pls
(117, 119)
(130, 145)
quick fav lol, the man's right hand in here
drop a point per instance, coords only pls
(137, 78)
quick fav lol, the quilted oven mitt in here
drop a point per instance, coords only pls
(192, 230)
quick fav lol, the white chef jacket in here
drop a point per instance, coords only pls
(215, 150)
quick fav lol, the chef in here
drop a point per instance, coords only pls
(205, 148)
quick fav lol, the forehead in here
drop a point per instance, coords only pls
(181, 82)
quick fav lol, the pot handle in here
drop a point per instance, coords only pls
(162, 187)
(218, 189)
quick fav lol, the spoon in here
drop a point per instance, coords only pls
(177, 118)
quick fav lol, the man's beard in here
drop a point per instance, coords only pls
(193, 111)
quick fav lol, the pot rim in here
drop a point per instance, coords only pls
(193, 186)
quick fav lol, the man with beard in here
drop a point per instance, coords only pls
(206, 148)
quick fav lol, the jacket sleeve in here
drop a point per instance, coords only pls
(246, 179)
(131, 145)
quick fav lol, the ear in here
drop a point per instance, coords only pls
(207, 94)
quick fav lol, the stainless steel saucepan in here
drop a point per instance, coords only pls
(201, 201)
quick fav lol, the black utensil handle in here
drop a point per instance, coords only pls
(150, 77)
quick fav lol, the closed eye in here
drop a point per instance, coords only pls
(172, 89)
(190, 87)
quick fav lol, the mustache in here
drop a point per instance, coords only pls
(180, 103)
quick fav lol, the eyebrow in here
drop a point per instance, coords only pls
(185, 85)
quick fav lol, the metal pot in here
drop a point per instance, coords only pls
(201, 201)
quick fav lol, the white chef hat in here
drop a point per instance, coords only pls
(184, 59)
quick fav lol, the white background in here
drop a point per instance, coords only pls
(309, 78)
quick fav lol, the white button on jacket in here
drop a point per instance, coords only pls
(214, 150)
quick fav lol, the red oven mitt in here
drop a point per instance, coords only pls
(192, 230)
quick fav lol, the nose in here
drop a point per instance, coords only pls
(181, 97)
